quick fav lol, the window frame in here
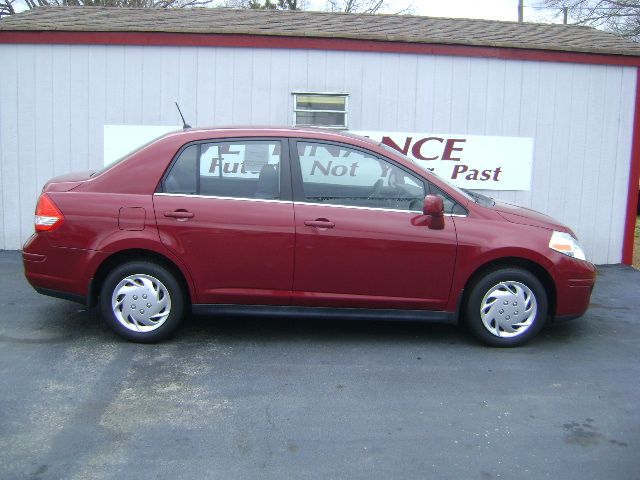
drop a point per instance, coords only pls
(297, 182)
(295, 95)
(285, 167)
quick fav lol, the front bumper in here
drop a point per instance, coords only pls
(575, 280)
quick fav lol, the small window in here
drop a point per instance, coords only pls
(320, 110)
(339, 175)
(182, 177)
(450, 205)
(239, 169)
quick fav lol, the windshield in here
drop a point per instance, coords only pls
(483, 200)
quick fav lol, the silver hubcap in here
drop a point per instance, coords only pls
(141, 302)
(508, 309)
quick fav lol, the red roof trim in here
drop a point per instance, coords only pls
(293, 42)
(634, 179)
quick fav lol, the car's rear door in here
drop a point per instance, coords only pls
(360, 241)
(224, 208)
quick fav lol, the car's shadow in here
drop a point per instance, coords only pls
(251, 328)
(55, 321)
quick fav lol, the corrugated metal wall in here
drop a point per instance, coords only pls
(57, 98)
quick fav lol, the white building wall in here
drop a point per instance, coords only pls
(57, 98)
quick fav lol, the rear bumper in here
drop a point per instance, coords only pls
(63, 295)
(58, 272)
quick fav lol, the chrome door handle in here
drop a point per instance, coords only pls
(179, 214)
(319, 223)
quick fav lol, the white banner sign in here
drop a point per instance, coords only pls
(119, 140)
(467, 161)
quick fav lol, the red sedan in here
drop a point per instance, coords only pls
(298, 222)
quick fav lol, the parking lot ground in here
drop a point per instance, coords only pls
(283, 399)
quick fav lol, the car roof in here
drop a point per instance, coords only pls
(197, 133)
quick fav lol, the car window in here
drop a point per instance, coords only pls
(339, 175)
(240, 169)
(450, 205)
(182, 177)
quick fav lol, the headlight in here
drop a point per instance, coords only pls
(564, 243)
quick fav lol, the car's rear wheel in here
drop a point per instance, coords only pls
(142, 301)
(506, 307)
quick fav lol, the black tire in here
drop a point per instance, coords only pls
(515, 278)
(160, 278)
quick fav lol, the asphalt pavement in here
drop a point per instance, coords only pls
(247, 398)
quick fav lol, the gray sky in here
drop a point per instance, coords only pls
(489, 9)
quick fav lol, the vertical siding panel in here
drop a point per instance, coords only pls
(79, 107)
(27, 114)
(170, 87)
(494, 112)
(242, 99)
(353, 85)
(442, 95)
(371, 89)
(543, 142)
(623, 164)
(61, 109)
(511, 111)
(133, 85)
(298, 71)
(115, 85)
(188, 73)
(478, 91)
(495, 97)
(512, 98)
(576, 157)
(461, 70)
(556, 181)
(405, 97)
(224, 80)
(280, 98)
(26, 185)
(528, 113)
(389, 93)
(335, 72)
(205, 87)
(604, 208)
(97, 105)
(150, 80)
(261, 78)
(44, 126)
(592, 155)
(425, 94)
(9, 146)
(316, 66)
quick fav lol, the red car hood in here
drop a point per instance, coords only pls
(526, 216)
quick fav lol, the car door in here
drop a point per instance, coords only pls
(224, 208)
(360, 241)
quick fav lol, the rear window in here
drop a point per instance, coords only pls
(237, 169)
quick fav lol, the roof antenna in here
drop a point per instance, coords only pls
(185, 125)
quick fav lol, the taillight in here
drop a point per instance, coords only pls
(48, 216)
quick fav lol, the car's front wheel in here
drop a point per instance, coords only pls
(142, 301)
(506, 307)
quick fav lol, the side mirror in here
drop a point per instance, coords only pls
(433, 209)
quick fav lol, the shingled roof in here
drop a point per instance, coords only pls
(394, 28)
